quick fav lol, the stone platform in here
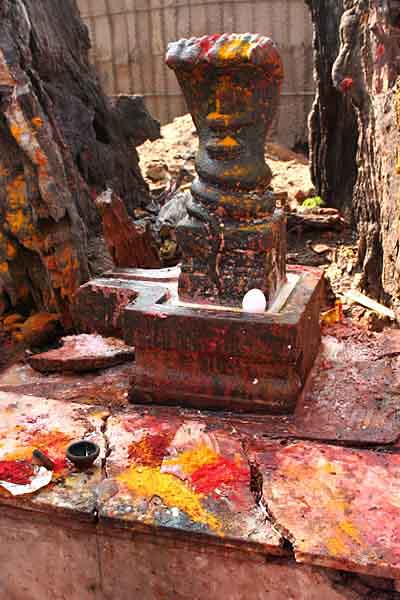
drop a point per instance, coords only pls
(206, 356)
(182, 503)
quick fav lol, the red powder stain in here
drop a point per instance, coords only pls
(208, 478)
(346, 84)
(16, 471)
(206, 44)
(60, 464)
(151, 449)
(380, 51)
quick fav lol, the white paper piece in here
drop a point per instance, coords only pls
(41, 479)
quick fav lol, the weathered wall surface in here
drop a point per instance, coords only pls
(130, 38)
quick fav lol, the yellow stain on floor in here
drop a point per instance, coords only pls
(149, 482)
(24, 453)
(193, 459)
(350, 530)
(336, 546)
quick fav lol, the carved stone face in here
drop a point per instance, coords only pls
(231, 85)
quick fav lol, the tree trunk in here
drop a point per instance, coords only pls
(365, 77)
(62, 143)
(332, 122)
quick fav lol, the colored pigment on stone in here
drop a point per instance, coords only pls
(209, 477)
(207, 42)
(150, 450)
(148, 482)
(232, 48)
(60, 464)
(193, 459)
(53, 443)
(17, 472)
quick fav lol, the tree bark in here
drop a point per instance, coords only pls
(332, 122)
(365, 77)
(62, 143)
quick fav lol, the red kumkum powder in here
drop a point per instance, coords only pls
(60, 464)
(208, 478)
(16, 471)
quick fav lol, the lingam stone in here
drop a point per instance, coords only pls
(233, 239)
(198, 341)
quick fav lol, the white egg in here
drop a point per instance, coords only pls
(254, 301)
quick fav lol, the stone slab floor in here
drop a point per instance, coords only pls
(184, 505)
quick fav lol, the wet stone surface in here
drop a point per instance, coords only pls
(351, 395)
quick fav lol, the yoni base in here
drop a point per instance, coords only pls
(223, 359)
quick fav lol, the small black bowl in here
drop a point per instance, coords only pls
(83, 453)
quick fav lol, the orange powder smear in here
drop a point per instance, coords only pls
(37, 122)
(236, 171)
(149, 481)
(16, 192)
(17, 132)
(228, 142)
(52, 442)
(11, 250)
(3, 171)
(16, 220)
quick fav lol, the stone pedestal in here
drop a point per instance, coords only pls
(194, 345)
(220, 358)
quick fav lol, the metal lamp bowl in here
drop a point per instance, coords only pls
(83, 453)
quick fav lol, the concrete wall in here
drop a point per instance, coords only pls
(130, 37)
